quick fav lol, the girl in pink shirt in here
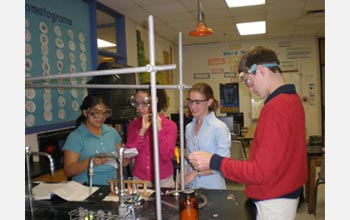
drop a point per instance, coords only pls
(140, 136)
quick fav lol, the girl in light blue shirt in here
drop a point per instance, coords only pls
(90, 137)
(205, 133)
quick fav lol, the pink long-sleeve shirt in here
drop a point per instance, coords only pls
(144, 163)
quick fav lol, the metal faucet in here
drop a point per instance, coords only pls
(118, 156)
(121, 176)
(91, 165)
(29, 180)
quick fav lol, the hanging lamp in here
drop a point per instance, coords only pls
(201, 30)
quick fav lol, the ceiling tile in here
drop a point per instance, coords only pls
(284, 18)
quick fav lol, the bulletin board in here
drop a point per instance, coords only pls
(57, 41)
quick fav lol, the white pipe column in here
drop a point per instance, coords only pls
(181, 112)
(154, 117)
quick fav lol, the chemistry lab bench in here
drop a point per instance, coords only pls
(215, 204)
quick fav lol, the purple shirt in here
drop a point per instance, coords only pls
(144, 163)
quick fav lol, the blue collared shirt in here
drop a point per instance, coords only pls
(214, 137)
(86, 144)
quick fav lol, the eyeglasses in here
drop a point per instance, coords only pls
(145, 103)
(105, 113)
(195, 101)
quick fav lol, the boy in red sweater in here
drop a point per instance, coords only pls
(276, 169)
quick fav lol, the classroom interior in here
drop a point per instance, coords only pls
(68, 45)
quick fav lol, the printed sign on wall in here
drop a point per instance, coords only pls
(57, 41)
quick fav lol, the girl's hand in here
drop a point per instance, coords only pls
(190, 177)
(100, 160)
(146, 121)
(159, 121)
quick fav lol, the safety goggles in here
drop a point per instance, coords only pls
(104, 113)
(136, 103)
(249, 79)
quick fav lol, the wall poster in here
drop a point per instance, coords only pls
(229, 97)
(57, 41)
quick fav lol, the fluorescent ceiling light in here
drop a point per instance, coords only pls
(103, 44)
(251, 28)
(241, 3)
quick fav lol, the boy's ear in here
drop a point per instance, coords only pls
(262, 69)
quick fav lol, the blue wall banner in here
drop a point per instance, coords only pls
(57, 41)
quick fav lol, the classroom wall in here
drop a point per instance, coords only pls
(305, 72)
(196, 58)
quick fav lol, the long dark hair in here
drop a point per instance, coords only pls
(89, 101)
